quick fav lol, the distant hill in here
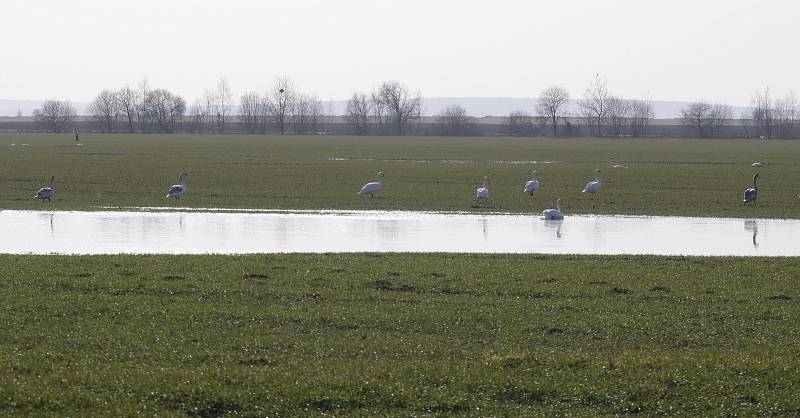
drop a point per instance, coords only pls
(475, 106)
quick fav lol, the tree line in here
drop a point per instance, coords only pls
(394, 109)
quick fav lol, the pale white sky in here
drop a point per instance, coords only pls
(720, 50)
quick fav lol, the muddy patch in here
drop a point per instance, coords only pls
(173, 277)
(386, 285)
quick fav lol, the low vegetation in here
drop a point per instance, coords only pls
(664, 177)
(382, 335)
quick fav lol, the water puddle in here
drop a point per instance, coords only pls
(227, 232)
(513, 162)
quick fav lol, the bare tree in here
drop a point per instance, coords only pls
(164, 108)
(223, 100)
(128, 101)
(198, 116)
(105, 110)
(617, 115)
(358, 112)
(718, 118)
(520, 123)
(787, 114)
(54, 114)
(764, 113)
(551, 105)
(454, 120)
(143, 115)
(279, 101)
(695, 116)
(305, 113)
(250, 112)
(380, 113)
(401, 105)
(594, 106)
(642, 113)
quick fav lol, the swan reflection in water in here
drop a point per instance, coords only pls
(752, 226)
(485, 225)
(554, 224)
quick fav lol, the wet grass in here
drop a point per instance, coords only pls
(665, 176)
(389, 334)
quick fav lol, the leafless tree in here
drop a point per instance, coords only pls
(642, 113)
(54, 114)
(764, 113)
(164, 108)
(719, 116)
(358, 112)
(223, 100)
(401, 105)
(143, 115)
(105, 110)
(250, 112)
(594, 106)
(617, 115)
(787, 114)
(695, 116)
(551, 105)
(128, 101)
(454, 120)
(520, 123)
(380, 113)
(279, 101)
(198, 116)
(306, 113)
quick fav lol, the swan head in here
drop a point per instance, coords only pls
(182, 175)
(52, 179)
(380, 174)
(486, 180)
(535, 173)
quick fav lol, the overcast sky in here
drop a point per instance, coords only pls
(666, 50)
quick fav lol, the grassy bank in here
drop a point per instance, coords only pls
(398, 335)
(665, 177)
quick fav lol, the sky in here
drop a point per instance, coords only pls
(722, 51)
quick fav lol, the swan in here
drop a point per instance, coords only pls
(532, 185)
(371, 188)
(47, 192)
(750, 195)
(616, 165)
(554, 214)
(177, 190)
(757, 164)
(593, 186)
(483, 192)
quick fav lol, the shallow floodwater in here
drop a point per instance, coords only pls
(196, 232)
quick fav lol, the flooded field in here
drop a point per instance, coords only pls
(240, 232)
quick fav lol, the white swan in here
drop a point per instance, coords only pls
(532, 185)
(593, 186)
(47, 192)
(750, 195)
(483, 192)
(371, 188)
(177, 190)
(757, 164)
(554, 214)
(618, 166)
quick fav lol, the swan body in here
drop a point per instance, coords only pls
(593, 186)
(554, 214)
(750, 195)
(371, 188)
(532, 185)
(618, 166)
(47, 192)
(178, 190)
(757, 164)
(483, 192)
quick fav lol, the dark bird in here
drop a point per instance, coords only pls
(750, 195)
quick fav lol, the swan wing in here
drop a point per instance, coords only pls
(371, 187)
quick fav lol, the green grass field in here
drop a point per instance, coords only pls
(378, 335)
(666, 177)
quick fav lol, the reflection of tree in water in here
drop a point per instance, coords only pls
(485, 225)
(554, 224)
(752, 226)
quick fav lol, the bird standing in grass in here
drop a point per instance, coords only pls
(373, 187)
(532, 185)
(750, 195)
(177, 190)
(47, 192)
(593, 186)
(482, 193)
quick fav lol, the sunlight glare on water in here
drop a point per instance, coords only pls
(196, 232)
